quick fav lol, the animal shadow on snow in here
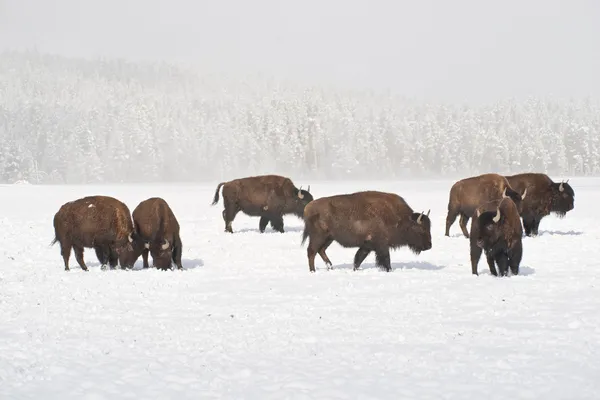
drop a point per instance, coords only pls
(423, 265)
(188, 263)
(560, 233)
(523, 270)
(286, 229)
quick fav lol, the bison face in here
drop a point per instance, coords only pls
(161, 251)
(418, 236)
(303, 197)
(563, 198)
(130, 250)
(489, 230)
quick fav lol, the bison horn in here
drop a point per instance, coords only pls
(130, 238)
(165, 245)
(300, 195)
(308, 190)
(504, 194)
(419, 218)
(497, 217)
(478, 213)
(147, 245)
(524, 194)
(561, 187)
(428, 211)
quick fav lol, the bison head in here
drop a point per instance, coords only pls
(489, 228)
(515, 197)
(563, 198)
(417, 233)
(303, 197)
(161, 252)
(130, 250)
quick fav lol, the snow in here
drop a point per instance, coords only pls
(246, 319)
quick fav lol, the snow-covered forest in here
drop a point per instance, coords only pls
(66, 120)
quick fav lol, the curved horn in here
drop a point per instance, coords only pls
(165, 245)
(147, 245)
(428, 211)
(497, 217)
(561, 187)
(300, 195)
(130, 238)
(478, 213)
(524, 194)
(419, 218)
(504, 194)
(308, 190)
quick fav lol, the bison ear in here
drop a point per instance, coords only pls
(497, 216)
(165, 245)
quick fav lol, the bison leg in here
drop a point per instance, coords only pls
(382, 258)
(277, 223)
(79, 257)
(464, 219)
(177, 249)
(450, 218)
(535, 226)
(528, 223)
(65, 251)
(490, 261)
(145, 254)
(113, 258)
(360, 256)
(314, 245)
(323, 255)
(475, 257)
(264, 221)
(502, 261)
(102, 253)
(229, 214)
(515, 257)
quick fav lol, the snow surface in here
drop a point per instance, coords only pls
(246, 319)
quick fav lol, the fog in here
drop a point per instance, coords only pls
(461, 50)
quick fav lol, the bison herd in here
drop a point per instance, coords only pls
(371, 221)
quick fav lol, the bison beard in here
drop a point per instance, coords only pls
(156, 224)
(467, 194)
(371, 221)
(99, 222)
(545, 197)
(269, 197)
(499, 234)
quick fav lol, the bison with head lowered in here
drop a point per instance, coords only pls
(467, 194)
(544, 196)
(496, 229)
(99, 222)
(269, 197)
(372, 221)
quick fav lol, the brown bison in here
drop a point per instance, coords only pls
(99, 222)
(269, 197)
(371, 220)
(467, 194)
(156, 225)
(496, 229)
(544, 196)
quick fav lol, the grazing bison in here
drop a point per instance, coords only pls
(544, 196)
(371, 220)
(269, 197)
(156, 225)
(99, 222)
(467, 194)
(496, 229)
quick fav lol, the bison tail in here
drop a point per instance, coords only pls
(216, 198)
(53, 242)
(304, 235)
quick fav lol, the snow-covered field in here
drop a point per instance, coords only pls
(246, 319)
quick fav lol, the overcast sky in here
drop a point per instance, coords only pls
(446, 49)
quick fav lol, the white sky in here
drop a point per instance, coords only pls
(472, 50)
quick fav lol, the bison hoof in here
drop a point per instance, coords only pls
(103, 267)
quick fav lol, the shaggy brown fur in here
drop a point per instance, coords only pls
(467, 194)
(544, 196)
(496, 229)
(269, 197)
(99, 222)
(157, 226)
(371, 220)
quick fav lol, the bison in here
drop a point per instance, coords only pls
(156, 225)
(99, 222)
(467, 194)
(370, 220)
(544, 196)
(496, 229)
(269, 197)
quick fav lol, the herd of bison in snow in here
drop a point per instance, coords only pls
(371, 221)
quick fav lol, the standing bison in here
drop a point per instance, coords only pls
(496, 229)
(467, 194)
(99, 222)
(544, 196)
(371, 220)
(156, 225)
(269, 197)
